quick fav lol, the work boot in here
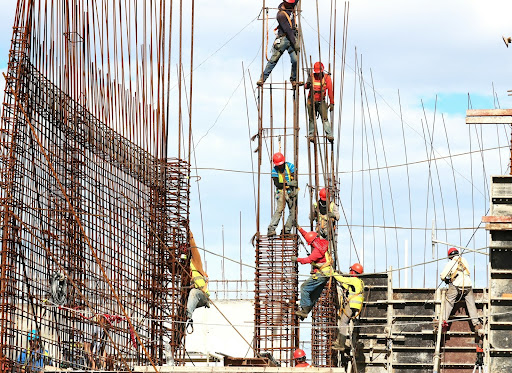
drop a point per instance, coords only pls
(303, 312)
(294, 83)
(444, 326)
(330, 138)
(311, 138)
(341, 344)
(260, 82)
(271, 232)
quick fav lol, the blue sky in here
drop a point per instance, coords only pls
(422, 49)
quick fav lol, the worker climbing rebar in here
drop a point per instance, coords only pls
(287, 39)
(283, 175)
(350, 293)
(321, 261)
(456, 274)
(322, 214)
(199, 295)
(320, 82)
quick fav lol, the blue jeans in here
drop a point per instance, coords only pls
(311, 289)
(196, 298)
(279, 48)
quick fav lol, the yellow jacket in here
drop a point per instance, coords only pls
(355, 287)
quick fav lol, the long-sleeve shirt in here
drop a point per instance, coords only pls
(318, 253)
(287, 174)
(458, 269)
(323, 83)
(355, 287)
(284, 27)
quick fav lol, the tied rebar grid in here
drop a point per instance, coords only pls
(324, 332)
(83, 204)
(276, 326)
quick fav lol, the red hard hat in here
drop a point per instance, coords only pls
(298, 353)
(278, 159)
(452, 250)
(310, 237)
(318, 67)
(357, 268)
(290, 1)
(323, 194)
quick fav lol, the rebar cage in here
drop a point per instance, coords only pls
(92, 231)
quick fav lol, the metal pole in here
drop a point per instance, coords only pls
(437, 357)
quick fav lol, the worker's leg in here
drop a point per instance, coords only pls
(293, 60)
(311, 289)
(451, 296)
(343, 327)
(470, 304)
(280, 202)
(311, 117)
(325, 119)
(195, 298)
(276, 55)
(292, 207)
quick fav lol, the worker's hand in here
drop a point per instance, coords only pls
(296, 46)
(298, 226)
(331, 215)
(293, 183)
(447, 280)
(331, 107)
(293, 258)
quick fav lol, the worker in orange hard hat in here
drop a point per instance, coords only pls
(300, 358)
(321, 83)
(283, 175)
(351, 298)
(321, 214)
(321, 260)
(287, 39)
(456, 274)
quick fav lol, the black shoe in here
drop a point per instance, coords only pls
(271, 233)
(330, 138)
(303, 312)
(311, 138)
(260, 82)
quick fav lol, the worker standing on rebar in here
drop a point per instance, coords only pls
(199, 295)
(320, 259)
(322, 215)
(287, 40)
(300, 358)
(456, 274)
(283, 175)
(320, 82)
(351, 298)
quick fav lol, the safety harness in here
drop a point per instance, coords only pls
(461, 268)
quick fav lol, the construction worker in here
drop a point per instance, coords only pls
(300, 358)
(320, 83)
(321, 261)
(35, 358)
(321, 215)
(456, 274)
(283, 175)
(286, 40)
(96, 349)
(351, 296)
(199, 295)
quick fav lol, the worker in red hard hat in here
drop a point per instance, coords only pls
(351, 298)
(283, 175)
(320, 83)
(300, 358)
(321, 214)
(320, 259)
(456, 274)
(286, 40)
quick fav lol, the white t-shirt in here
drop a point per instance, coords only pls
(460, 266)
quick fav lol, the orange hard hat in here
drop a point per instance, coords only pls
(323, 194)
(298, 353)
(357, 268)
(453, 251)
(310, 237)
(278, 159)
(318, 67)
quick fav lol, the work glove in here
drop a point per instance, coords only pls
(296, 46)
(331, 215)
(293, 258)
(293, 183)
(447, 280)
(331, 107)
